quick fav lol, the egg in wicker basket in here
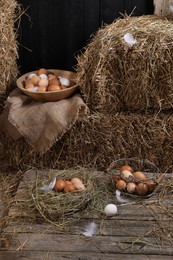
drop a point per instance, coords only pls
(48, 85)
(134, 177)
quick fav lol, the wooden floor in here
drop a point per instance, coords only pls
(140, 230)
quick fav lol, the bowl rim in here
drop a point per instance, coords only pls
(19, 82)
(50, 96)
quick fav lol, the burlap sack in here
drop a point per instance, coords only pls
(42, 124)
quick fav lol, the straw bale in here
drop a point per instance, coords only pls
(97, 140)
(115, 77)
(8, 44)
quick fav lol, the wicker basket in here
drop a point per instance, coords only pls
(51, 95)
(152, 173)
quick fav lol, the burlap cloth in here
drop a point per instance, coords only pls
(42, 124)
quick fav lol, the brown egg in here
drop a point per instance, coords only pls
(78, 184)
(35, 79)
(53, 88)
(139, 176)
(116, 178)
(131, 187)
(151, 185)
(121, 185)
(52, 76)
(63, 87)
(42, 89)
(141, 189)
(29, 85)
(43, 83)
(59, 185)
(42, 71)
(68, 182)
(54, 81)
(69, 188)
(28, 80)
(126, 167)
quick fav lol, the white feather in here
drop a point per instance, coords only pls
(50, 186)
(90, 229)
(129, 39)
(119, 199)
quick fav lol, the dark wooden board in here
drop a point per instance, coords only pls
(52, 32)
(37, 255)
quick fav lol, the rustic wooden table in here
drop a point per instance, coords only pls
(140, 230)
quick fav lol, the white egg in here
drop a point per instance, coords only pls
(64, 81)
(110, 210)
(43, 76)
(34, 89)
(31, 75)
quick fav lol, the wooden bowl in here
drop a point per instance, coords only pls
(50, 95)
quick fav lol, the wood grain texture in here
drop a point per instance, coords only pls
(53, 32)
(27, 255)
(141, 230)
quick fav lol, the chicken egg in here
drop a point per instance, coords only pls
(29, 85)
(139, 176)
(42, 89)
(78, 184)
(43, 76)
(69, 187)
(151, 185)
(34, 89)
(53, 87)
(121, 185)
(116, 178)
(131, 187)
(53, 81)
(110, 210)
(35, 79)
(51, 76)
(42, 71)
(141, 189)
(126, 167)
(43, 83)
(64, 81)
(63, 87)
(31, 75)
(59, 185)
(126, 174)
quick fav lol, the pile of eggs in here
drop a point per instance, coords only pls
(75, 184)
(133, 182)
(43, 81)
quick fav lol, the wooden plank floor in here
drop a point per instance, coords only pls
(140, 230)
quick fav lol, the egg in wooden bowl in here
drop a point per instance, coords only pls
(48, 85)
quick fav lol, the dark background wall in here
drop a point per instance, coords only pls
(52, 32)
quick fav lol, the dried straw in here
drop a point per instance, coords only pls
(8, 44)
(117, 77)
(96, 140)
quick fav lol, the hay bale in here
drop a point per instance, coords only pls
(8, 44)
(117, 77)
(97, 140)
